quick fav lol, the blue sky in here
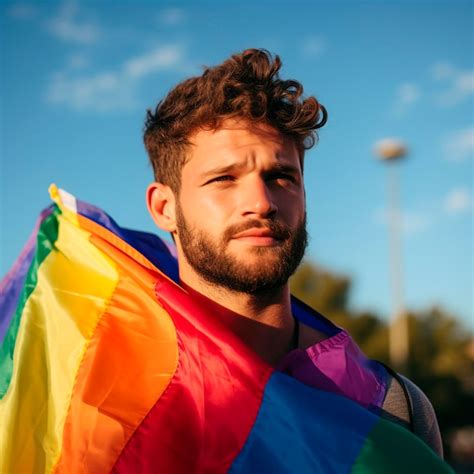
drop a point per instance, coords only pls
(77, 77)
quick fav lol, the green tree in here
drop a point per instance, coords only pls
(441, 363)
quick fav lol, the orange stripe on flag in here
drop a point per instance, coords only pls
(133, 350)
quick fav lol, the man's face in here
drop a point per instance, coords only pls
(240, 214)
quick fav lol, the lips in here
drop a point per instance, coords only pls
(258, 236)
(256, 232)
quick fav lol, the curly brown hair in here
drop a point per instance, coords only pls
(246, 86)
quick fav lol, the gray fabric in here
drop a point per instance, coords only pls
(395, 408)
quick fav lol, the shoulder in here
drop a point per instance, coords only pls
(406, 404)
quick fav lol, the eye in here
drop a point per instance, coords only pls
(221, 179)
(281, 176)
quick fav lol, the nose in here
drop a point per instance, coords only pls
(257, 199)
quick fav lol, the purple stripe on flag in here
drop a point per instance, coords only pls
(12, 284)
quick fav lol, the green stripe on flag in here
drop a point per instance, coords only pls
(392, 449)
(47, 236)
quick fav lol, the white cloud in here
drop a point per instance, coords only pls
(459, 146)
(464, 83)
(457, 201)
(111, 90)
(461, 88)
(314, 46)
(408, 93)
(67, 27)
(22, 11)
(159, 58)
(78, 61)
(415, 223)
(442, 70)
(459, 85)
(411, 222)
(172, 16)
(104, 91)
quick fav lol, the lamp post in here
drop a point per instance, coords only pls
(390, 151)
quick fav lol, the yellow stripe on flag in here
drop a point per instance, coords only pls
(75, 283)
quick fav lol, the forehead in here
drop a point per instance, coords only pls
(238, 140)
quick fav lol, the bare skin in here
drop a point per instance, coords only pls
(237, 174)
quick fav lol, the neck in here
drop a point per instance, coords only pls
(263, 322)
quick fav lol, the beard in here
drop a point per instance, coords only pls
(209, 258)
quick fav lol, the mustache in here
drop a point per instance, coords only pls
(279, 230)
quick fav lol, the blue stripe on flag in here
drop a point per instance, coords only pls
(303, 430)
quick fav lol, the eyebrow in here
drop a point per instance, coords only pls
(279, 167)
(284, 169)
(223, 169)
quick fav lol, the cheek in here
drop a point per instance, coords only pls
(292, 204)
(209, 208)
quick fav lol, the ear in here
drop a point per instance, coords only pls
(161, 201)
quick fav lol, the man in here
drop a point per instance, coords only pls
(227, 150)
(110, 362)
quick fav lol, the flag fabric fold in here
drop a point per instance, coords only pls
(107, 364)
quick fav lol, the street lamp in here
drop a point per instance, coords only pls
(391, 150)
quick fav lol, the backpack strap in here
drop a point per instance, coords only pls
(399, 379)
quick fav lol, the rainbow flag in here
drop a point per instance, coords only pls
(107, 364)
